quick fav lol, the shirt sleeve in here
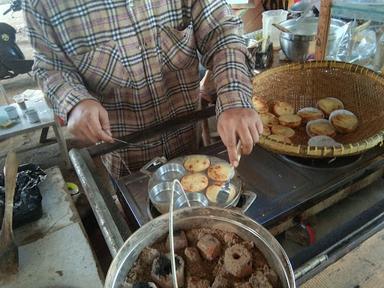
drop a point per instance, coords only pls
(217, 33)
(53, 70)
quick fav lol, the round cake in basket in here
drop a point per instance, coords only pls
(315, 90)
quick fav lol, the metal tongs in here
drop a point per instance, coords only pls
(170, 228)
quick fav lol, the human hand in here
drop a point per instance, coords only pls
(88, 121)
(239, 123)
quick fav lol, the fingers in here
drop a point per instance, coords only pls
(105, 126)
(104, 121)
(259, 125)
(246, 137)
(239, 123)
(255, 133)
(95, 129)
(89, 122)
(228, 136)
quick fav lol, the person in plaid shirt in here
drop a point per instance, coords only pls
(114, 67)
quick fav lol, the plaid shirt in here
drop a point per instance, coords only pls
(139, 59)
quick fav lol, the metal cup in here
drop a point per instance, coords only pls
(195, 199)
(160, 195)
(32, 116)
(12, 112)
(169, 172)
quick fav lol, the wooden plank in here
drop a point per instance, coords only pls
(322, 29)
(362, 267)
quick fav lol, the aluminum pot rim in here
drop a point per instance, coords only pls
(293, 37)
(337, 23)
(226, 216)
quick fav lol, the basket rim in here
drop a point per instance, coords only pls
(302, 150)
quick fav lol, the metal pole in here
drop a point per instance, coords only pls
(113, 227)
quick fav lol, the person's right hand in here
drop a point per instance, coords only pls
(88, 121)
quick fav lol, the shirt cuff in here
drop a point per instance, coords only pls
(230, 100)
(72, 98)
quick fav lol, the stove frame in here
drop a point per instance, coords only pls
(279, 202)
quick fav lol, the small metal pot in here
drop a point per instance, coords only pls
(209, 217)
(160, 195)
(300, 45)
(195, 199)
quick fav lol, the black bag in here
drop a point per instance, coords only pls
(27, 202)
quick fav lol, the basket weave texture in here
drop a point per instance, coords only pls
(303, 84)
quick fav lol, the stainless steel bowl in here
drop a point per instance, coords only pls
(300, 45)
(169, 172)
(160, 195)
(298, 48)
(195, 199)
(210, 217)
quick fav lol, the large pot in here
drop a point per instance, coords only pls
(300, 45)
(211, 217)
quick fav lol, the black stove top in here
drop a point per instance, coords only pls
(284, 185)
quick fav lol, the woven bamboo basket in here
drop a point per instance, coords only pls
(303, 84)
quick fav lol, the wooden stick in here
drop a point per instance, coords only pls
(9, 256)
(322, 29)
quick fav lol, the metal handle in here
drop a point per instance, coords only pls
(250, 197)
(158, 161)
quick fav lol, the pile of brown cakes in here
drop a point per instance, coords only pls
(209, 178)
(205, 258)
(322, 123)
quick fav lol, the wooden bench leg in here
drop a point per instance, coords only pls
(62, 145)
(44, 135)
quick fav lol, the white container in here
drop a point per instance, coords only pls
(20, 100)
(273, 17)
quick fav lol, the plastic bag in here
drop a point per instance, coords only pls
(27, 201)
(357, 45)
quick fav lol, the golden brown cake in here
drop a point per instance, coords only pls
(266, 131)
(329, 104)
(283, 131)
(281, 108)
(196, 163)
(320, 127)
(194, 182)
(344, 121)
(269, 119)
(260, 105)
(280, 138)
(220, 172)
(290, 120)
(213, 191)
(310, 113)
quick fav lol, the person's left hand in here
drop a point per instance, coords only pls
(239, 123)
